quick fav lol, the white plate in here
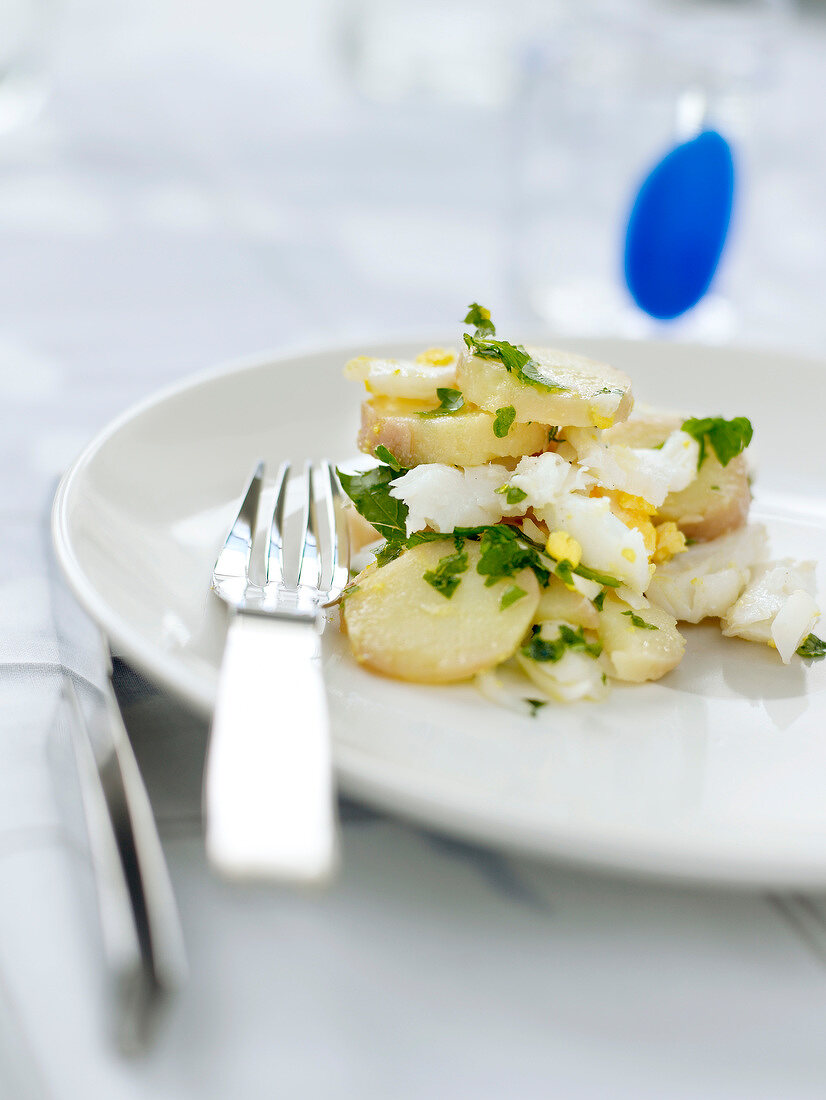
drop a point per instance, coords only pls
(716, 773)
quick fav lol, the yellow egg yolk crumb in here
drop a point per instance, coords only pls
(436, 357)
(563, 547)
(670, 541)
(634, 512)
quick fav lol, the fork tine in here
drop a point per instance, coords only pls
(336, 572)
(234, 557)
(309, 561)
(274, 556)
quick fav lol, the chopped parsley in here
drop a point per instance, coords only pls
(592, 575)
(370, 493)
(541, 649)
(812, 648)
(388, 458)
(445, 578)
(535, 705)
(511, 594)
(479, 317)
(503, 553)
(450, 401)
(512, 493)
(639, 622)
(513, 358)
(727, 438)
(599, 599)
(553, 437)
(503, 420)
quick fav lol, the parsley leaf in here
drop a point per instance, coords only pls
(812, 648)
(727, 438)
(370, 493)
(385, 554)
(541, 649)
(503, 553)
(505, 550)
(639, 622)
(388, 458)
(479, 317)
(511, 594)
(445, 577)
(503, 420)
(535, 704)
(599, 599)
(513, 494)
(515, 360)
(450, 402)
(592, 575)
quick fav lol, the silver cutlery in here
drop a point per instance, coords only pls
(268, 786)
(109, 817)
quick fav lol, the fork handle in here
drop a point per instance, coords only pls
(268, 788)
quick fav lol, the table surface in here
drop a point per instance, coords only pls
(182, 201)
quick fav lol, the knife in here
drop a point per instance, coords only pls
(107, 810)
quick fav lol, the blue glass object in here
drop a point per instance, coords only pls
(678, 226)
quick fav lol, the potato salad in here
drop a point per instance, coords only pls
(530, 525)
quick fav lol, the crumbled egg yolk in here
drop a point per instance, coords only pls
(436, 357)
(563, 547)
(670, 541)
(634, 512)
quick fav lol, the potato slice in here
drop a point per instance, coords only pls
(359, 531)
(716, 502)
(401, 626)
(595, 394)
(559, 602)
(635, 653)
(464, 438)
(417, 379)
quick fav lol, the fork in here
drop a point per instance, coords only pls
(268, 786)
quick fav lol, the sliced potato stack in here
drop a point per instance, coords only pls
(496, 402)
(402, 413)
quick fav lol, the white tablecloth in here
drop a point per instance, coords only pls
(185, 199)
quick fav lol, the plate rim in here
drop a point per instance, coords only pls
(721, 868)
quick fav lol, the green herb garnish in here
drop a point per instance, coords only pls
(513, 494)
(445, 578)
(599, 599)
(511, 594)
(727, 438)
(812, 648)
(479, 317)
(450, 401)
(370, 493)
(639, 622)
(592, 575)
(541, 649)
(503, 554)
(513, 358)
(503, 420)
(535, 705)
(388, 458)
